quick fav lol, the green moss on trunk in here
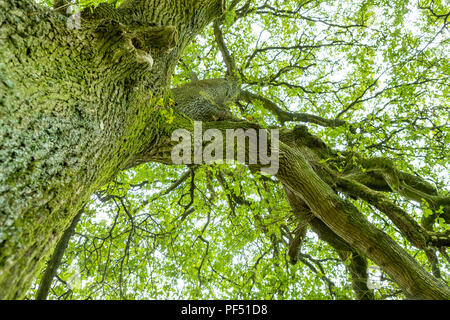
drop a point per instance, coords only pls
(75, 106)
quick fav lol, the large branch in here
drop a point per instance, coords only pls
(297, 153)
(227, 57)
(347, 222)
(358, 263)
(361, 177)
(284, 116)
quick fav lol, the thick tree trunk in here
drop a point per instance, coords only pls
(75, 106)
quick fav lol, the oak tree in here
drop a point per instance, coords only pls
(89, 101)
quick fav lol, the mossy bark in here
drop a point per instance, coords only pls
(75, 106)
(348, 223)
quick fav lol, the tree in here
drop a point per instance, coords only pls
(365, 172)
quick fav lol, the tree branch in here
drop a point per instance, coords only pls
(55, 260)
(227, 57)
(284, 116)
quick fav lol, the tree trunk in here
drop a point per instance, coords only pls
(75, 106)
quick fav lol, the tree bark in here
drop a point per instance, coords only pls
(347, 222)
(357, 267)
(75, 106)
(342, 218)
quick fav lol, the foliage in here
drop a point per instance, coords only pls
(221, 231)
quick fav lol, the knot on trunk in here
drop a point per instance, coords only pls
(146, 35)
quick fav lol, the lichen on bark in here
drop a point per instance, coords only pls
(76, 105)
